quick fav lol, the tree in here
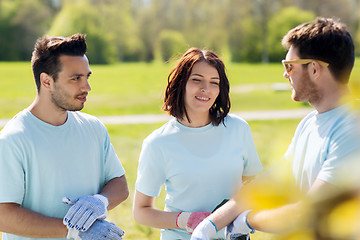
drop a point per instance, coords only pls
(119, 25)
(82, 17)
(280, 24)
(169, 44)
(345, 10)
(245, 41)
(20, 27)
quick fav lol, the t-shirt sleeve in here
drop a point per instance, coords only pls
(113, 166)
(344, 149)
(252, 164)
(151, 170)
(11, 172)
(288, 156)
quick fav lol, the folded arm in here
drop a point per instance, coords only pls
(87, 209)
(17, 220)
(116, 191)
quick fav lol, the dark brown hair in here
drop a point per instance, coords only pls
(175, 91)
(47, 50)
(327, 40)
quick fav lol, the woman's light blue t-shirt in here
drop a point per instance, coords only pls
(200, 167)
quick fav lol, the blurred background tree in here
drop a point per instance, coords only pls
(145, 30)
(280, 24)
(169, 43)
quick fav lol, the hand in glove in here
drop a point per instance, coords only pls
(85, 211)
(190, 220)
(204, 231)
(100, 230)
(238, 227)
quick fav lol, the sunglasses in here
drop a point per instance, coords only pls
(288, 63)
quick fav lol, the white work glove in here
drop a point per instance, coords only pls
(189, 220)
(238, 227)
(85, 211)
(100, 230)
(204, 231)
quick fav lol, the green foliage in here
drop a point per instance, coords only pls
(169, 44)
(20, 27)
(119, 25)
(7, 43)
(82, 17)
(245, 41)
(129, 30)
(280, 24)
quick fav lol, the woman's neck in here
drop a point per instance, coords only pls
(195, 121)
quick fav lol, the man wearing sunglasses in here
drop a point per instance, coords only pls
(318, 64)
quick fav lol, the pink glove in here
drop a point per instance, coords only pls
(190, 220)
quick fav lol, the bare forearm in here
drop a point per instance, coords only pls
(225, 214)
(116, 190)
(17, 220)
(291, 216)
(155, 218)
(278, 220)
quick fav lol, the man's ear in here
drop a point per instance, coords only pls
(315, 69)
(45, 80)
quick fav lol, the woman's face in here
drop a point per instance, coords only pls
(202, 89)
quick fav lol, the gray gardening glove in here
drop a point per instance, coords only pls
(85, 211)
(238, 227)
(99, 230)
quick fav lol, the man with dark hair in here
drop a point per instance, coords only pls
(318, 65)
(51, 152)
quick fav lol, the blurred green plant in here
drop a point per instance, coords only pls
(279, 25)
(170, 44)
(84, 18)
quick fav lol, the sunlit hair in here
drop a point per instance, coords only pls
(327, 40)
(174, 102)
(47, 50)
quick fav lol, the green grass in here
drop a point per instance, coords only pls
(137, 88)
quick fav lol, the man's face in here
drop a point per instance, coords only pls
(70, 89)
(303, 88)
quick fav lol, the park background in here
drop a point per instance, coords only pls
(132, 45)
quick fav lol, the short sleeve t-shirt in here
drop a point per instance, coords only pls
(200, 167)
(322, 144)
(41, 163)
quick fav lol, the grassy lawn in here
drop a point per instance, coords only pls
(137, 88)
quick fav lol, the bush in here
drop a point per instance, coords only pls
(81, 17)
(169, 44)
(245, 41)
(279, 25)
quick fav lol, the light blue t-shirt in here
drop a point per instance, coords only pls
(322, 145)
(200, 167)
(41, 163)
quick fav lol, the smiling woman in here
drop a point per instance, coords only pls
(201, 91)
(184, 154)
